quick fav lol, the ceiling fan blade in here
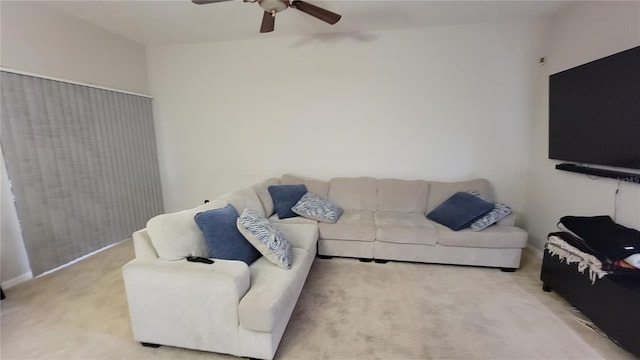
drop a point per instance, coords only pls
(203, 2)
(317, 12)
(268, 22)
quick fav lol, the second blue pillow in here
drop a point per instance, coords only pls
(285, 197)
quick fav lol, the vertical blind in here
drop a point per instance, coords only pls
(82, 163)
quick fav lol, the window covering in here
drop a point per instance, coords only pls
(82, 163)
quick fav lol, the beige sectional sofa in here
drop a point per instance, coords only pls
(234, 308)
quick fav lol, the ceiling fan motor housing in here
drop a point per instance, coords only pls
(272, 6)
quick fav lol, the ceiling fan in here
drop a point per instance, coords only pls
(272, 7)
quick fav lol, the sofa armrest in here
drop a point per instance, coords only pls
(509, 220)
(143, 246)
(185, 304)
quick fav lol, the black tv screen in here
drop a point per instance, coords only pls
(594, 112)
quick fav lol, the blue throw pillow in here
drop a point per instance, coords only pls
(285, 197)
(222, 236)
(460, 211)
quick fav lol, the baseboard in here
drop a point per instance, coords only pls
(27, 276)
(534, 251)
(82, 258)
(17, 280)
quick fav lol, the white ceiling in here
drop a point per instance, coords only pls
(162, 22)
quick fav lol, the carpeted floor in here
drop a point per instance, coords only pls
(347, 310)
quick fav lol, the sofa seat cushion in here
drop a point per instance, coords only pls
(303, 236)
(274, 291)
(496, 236)
(357, 225)
(405, 228)
(274, 219)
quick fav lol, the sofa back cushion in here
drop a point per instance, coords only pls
(319, 187)
(357, 193)
(176, 235)
(245, 198)
(403, 195)
(262, 192)
(441, 191)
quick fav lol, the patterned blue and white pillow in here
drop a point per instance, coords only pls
(499, 211)
(269, 241)
(316, 207)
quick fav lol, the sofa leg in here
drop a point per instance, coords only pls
(546, 288)
(325, 257)
(365, 260)
(508, 269)
(381, 261)
(151, 345)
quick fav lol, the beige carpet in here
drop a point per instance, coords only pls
(348, 310)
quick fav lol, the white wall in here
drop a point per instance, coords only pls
(583, 32)
(439, 103)
(42, 40)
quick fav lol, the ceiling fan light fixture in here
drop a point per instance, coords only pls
(273, 6)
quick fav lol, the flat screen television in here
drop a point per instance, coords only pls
(594, 112)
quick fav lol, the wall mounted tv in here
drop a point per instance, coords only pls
(594, 112)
